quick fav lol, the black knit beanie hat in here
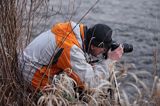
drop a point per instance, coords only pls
(99, 35)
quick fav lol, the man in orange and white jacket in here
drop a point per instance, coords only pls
(79, 45)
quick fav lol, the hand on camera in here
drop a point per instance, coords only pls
(116, 54)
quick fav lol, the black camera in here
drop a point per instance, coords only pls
(127, 48)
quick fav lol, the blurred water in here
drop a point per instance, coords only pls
(134, 21)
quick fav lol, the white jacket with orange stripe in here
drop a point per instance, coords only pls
(36, 56)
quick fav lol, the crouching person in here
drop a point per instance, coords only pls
(76, 47)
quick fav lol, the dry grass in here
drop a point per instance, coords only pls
(106, 93)
(17, 19)
(65, 93)
(16, 22)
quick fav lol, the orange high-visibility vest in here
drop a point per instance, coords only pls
(60, 30)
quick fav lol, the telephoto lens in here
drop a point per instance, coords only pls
(127, 48)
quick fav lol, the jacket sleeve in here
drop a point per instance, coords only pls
(91, 75)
